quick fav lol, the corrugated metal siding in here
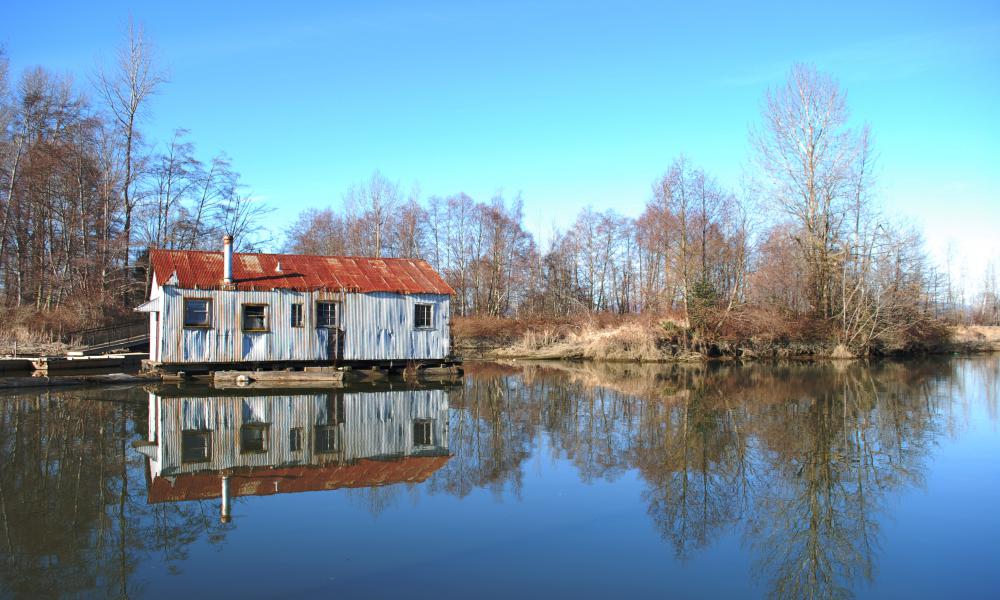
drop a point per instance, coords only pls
(380, 424)
(377, 326)
(373, 425)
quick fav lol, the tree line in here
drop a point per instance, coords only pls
(83, 192)
(823, 252)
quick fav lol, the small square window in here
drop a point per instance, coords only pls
(327, 438)
(254, 317)
(196, 446)
(253, 437)
(422, 432)
(295, 439)
(423, 315)
(326, 315)
(197, 312)
(296, 315)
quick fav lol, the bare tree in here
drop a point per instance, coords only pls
(807, 154)
(317, 231)
(126, 88)
(371, 206)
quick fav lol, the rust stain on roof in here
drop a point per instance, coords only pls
(203, 270)
(266, 481)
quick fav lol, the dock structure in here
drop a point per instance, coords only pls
(16, 365)
(306, 375)
(228, 311)
(77, 361)
(74, 363)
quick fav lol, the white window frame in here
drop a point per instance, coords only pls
(208, 313)
(430, 315)
(336, 314)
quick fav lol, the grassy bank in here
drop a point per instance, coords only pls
(667, 339)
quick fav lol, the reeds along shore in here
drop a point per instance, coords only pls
(650, 340)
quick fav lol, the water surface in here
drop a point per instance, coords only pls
(787, 481)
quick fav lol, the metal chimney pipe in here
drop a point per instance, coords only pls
(227, 259)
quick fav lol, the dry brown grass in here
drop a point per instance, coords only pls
(21, 341)
(628, 341)
(646, 338)
(975, 338)
(31, 331)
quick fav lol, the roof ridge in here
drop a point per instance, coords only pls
(351, 256)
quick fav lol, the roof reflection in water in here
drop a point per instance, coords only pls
(209, 446)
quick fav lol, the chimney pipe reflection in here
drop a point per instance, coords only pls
(225, 517)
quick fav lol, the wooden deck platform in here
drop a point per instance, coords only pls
(73, 362)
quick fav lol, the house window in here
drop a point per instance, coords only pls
(422, 433)
(423, 316)
(254, 317)
(197, 312)
(326, 315)
(253, 437)
(295, 439)
(327, 438)
(296, 315)
(196, 446)
(334, 409)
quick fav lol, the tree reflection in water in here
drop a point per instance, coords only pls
(800, 460)
(799, 457)
(73, 508)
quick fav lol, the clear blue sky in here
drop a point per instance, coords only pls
(570, 103)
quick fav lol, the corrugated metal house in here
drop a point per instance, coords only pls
(269, 444)
(225, 307)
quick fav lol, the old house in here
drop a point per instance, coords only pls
(223, 307)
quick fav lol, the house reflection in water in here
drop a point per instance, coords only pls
(224, 446)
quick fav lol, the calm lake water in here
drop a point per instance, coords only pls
(555, 480)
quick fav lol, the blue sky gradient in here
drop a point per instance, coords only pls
(569, 103)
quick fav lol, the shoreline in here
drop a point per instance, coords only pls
(963, 340)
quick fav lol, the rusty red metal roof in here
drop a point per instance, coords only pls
(265, 481)
(196, 269)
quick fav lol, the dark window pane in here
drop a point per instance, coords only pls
(334, 409)
(254, 318)
(196, 446)
(295, 439)
(326, 315)
(327, 438)
(196, 313)
(422, 315)
(422, 433)
(253, 438)
(296, 315)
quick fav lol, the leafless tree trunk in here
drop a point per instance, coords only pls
(126, 88)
